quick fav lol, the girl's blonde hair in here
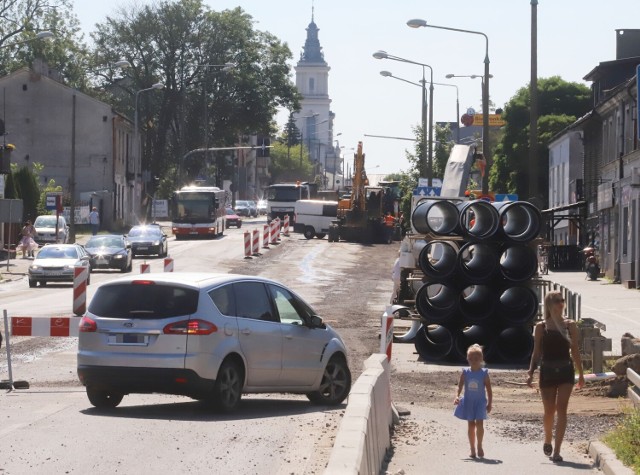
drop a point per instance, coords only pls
(475, 348)
(550, 299)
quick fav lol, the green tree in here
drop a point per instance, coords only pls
(172, 42)
(26, 186)
(289, 167)
(560, 103)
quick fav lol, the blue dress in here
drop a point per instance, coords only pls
(473, 404)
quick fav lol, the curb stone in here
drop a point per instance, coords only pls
(605, 459)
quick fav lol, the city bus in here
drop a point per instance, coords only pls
(199, 212)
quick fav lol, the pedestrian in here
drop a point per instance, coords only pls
(475, 404)
(389, 223)
(94, 220)
(556, 348)
(27, 243)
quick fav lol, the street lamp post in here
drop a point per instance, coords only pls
(388, 74)
(417, 23)
(472, 76)
(43, 35)
(122, 64)
(137, 154)
(429, 160)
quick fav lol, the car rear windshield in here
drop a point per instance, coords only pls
(145, 301)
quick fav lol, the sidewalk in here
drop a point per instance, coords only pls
(612, 304)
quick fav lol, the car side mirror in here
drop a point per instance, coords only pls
(316, 322)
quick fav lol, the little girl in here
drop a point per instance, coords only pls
(474, 406)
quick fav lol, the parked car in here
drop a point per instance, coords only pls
(56, 263)
(148, 240)
(253, 206)
(244, 208)
(110, 251)
(211, 337)
(46, 229)
(262, 207)
(233, 219)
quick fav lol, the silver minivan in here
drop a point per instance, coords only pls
(211, 337)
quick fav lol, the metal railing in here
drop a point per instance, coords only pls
(634, 392)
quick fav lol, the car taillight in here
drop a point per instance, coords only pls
(87, 325)
(190, 327)
(142, 282)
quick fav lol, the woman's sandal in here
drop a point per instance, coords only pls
(556, 458)
(547, 449)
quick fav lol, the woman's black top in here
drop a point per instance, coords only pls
(555, 346)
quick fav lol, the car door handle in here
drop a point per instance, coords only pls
(289, 336)
(245, 331)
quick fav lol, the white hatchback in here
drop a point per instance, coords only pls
(46, 229)
(207, 336)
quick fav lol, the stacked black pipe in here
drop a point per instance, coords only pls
(477, 262)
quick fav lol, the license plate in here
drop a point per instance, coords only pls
(50, 273)
(193, 231)
(142, 248)
(128, 339)
(102, 261)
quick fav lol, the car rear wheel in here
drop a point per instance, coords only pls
(32, 283)
(320, 235)
(309, 232)
(335, 385)
(227, 390)
(103, 399)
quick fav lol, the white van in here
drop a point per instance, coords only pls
(313, 217)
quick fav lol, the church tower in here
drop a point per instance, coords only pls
(315, 119)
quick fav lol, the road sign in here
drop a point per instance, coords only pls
(495, 120)
(435, 182)
(51, 199)
(427, 191)
(506, 197)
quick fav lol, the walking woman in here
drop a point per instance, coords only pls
(556, 348)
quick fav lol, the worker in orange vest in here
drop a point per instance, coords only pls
(389, 223)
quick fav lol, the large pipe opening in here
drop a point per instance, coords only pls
(437, 259)
(435, 216)
(520, 220)
(479, 219)
(475, 334)
(517, 305)
(515, 344)
(518, 263)
(477, 303)
(478, 261)
(437, 302)
(434, 342)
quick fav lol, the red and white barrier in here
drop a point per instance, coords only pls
(265, 236)
(168, 264)
(247, 244)
(145, 268)
(286, 225)
(80, 275)
(274, 231)
(255, 247)
(44, 326)
(278, 228)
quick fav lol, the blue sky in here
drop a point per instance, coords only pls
(573, 37)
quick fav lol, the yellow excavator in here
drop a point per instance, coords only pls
(361, 216)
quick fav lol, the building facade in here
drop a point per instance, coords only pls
(602, 167)
(315, 119)
(56, 126)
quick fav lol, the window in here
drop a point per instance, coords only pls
(312, 85)
(224, 300)
(144, 301)
(252, 301)
(285, 304)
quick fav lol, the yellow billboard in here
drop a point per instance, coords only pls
(495, 120)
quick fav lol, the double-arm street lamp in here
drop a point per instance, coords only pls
(429, 160)
(417, 23)
(389, 74)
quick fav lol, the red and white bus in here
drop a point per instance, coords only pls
(199, 211)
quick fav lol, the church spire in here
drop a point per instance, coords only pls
(312, 51)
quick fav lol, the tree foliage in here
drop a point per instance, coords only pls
(560, 103)
(287, 163)
(185, 45)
